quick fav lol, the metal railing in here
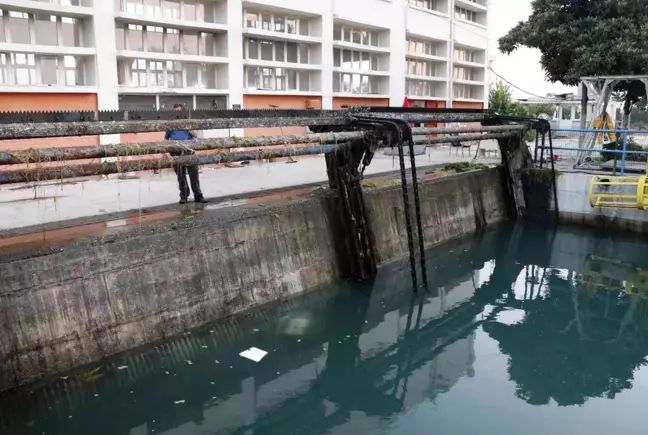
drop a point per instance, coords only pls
(611, 151)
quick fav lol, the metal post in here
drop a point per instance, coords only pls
(623, 153)
(553, 173)
(544, 135)
(535, 150)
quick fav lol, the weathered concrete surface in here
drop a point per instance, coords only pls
(450, 207)
(98, 297)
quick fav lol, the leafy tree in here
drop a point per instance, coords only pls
(580, 38)
(500, 99)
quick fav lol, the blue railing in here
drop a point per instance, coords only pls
(592, 149)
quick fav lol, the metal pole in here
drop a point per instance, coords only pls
(553, 172)
(623, 153)
(544, 135)
(450, 130)
(535, 150)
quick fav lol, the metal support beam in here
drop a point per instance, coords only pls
(105, 168)
(478, 129)
(163, 147)
(420, 140)
(93, 128)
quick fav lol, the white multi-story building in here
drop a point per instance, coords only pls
(126, 54)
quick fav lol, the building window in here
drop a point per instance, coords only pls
(421, 68)
(172, 41)
(427, 48)
(174, 74)
(166, 74)
(432, 5)
(360, 60)
(42, 29)
(463, 73)
(41, 70)
(155, 39)
(276, 79)
(465, 14)
(356, 83)
(356, 35)
(466, 55)
(465, 92)
(566, 113)
(138, 73)
(189, 10)
(276, 51)
(276, 23)
(72, 71)
(423, 88)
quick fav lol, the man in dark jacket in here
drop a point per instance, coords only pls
(181, 170)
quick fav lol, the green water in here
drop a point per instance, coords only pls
(522, 331)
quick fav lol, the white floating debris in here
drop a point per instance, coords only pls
(348, 336)
(211, 330)
(69, 416)
(189, 362)
(254, 354)
(96, 395)
(178, 402)
(255, 330)
(122, 367)
(278, 373)
(166, 373)
(299, 341)
(216, 361)
(203, 346)
(64, 377)
(213, 383)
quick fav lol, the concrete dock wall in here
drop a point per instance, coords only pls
(85, 301)
(574, 205)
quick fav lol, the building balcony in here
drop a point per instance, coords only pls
(362, 71)
(426, 78)
(158, 90)
(287, 65)
(430, 57)
(361, 47)
(48, 89)
(174, 23)
(360, 95)
(280, 36)
(32, 6)
(9, 47)
(469, 82)
(472, 5)
(469, 63)
(189, 58)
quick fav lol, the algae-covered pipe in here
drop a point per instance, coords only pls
(105, 168)
(163, 147)
(92, 128)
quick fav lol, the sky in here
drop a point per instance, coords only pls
(522, 67)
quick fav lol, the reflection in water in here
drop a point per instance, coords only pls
(552, 318)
